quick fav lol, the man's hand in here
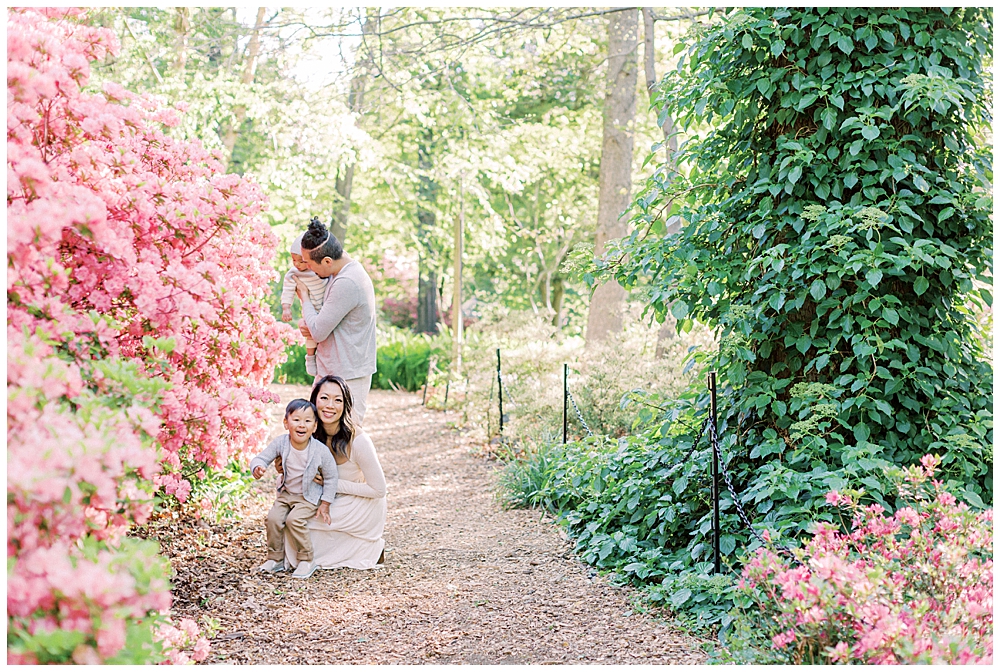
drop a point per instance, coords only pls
(301, 290)
(277, 465)
(304, 329)
(286, 312)
(324, 512)
(258, 471)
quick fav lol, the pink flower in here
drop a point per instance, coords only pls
(115, 233)
(201, 649)
(841, 653)
(833, 497)
(783, 639)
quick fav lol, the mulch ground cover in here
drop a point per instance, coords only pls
(464, 581)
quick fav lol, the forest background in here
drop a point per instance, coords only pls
(478, 161)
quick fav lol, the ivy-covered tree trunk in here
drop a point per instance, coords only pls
(837, 233)
(605, 315)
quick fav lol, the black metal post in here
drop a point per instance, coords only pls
(500, 392)
(565, 400)
(489, 425)
(427, 381)
(447, 384)
(714, 438)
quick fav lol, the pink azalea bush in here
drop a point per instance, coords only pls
(912, 587)
(139, 342)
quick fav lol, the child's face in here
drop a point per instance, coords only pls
(299, 263)
(300, 424)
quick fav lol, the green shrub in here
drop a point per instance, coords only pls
(835, 226)
(220, 492)
(600, 377)
(293, 370)
(404, 358)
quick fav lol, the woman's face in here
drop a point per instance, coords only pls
(330, 403)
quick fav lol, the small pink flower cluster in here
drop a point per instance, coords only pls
(182, 643)
(138, 329)
(913, 587)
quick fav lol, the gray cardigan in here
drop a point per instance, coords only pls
(320, 460)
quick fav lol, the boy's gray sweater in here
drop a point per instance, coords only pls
(320, 460)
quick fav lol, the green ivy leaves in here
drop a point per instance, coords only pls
(830, 203)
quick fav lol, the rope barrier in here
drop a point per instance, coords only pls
(579, 415)
(714, 439)
(708, 425)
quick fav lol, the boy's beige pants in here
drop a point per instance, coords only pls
(292, 512)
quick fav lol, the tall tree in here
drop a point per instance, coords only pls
(837, 234)
(605, 316)
(355, 103)
(246, 78)
(427, 315)
(667, 330)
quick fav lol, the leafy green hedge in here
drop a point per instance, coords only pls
(293, 370)
(836, 232)
(404, 357)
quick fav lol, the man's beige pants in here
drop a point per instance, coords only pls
(359, 395)
(292, 512)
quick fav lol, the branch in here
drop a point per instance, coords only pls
(159, 79)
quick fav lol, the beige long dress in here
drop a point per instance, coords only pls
(357, 515)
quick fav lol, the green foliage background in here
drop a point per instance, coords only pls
(834, 200)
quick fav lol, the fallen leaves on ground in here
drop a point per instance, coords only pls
(464, 581)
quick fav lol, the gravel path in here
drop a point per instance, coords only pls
(464, 582)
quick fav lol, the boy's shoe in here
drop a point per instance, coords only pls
(311, 365)
(272, 566)
(304, 570)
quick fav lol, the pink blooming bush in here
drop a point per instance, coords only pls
(139, 341)
(913, 587)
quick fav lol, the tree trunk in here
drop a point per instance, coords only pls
(249, 69)
(426, 199)
(668, 330)
(355, 102)
(456, 295)
(615, 180)
(649, 61)
(183, 26)
(557, 300)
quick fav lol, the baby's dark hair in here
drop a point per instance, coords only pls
(298, 405)
(321, 243)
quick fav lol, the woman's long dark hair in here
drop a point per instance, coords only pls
(339, 442)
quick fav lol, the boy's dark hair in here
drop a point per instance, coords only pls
(298, 405)
(320, 242)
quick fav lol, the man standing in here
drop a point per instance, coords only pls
(344, 327)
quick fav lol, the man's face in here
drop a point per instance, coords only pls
(321, 268)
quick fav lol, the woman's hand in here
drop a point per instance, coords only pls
(318, 479)
(277, 465)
